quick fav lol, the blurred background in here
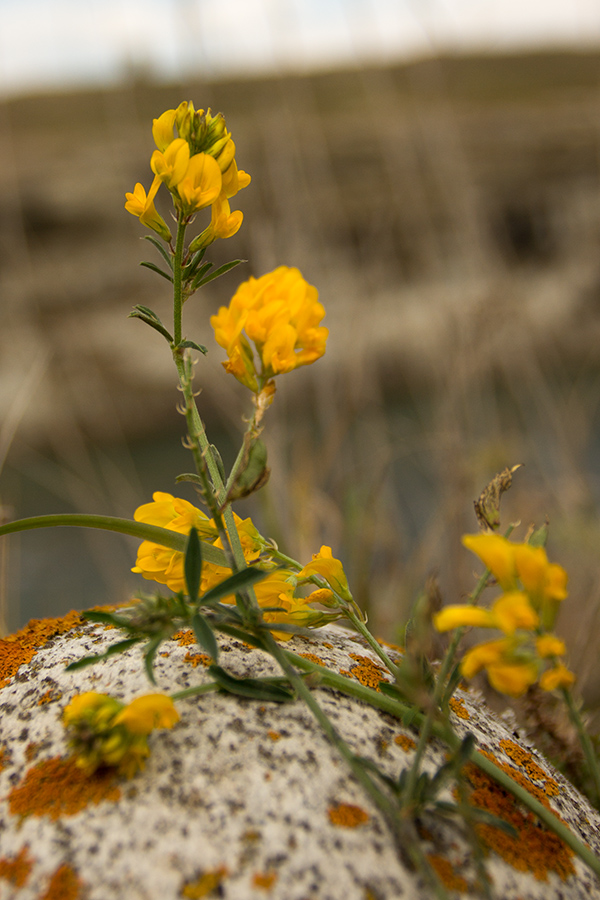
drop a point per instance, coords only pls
(432, 166)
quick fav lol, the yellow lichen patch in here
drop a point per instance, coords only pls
(525, 760)
(445, 872)
(5, 759)
(405, 742)
(395, 647)
(264, 880)
(17, 869)
(274, 735)
(367, 671)
(345, 672)
(208, 883)
(535, 849)
(347, 815)
(64, 885)
(58, 787)
(196, 658)
(312, 658)
(459, 709)
(20, 648)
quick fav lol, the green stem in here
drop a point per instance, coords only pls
(372, 641)
(177, 280)
(207, 688)
(584, 739)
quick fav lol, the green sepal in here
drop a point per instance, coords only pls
(234, 584)
(119, 647)
(151, 319)
(192, 565)
(193, 346)
(157, 269)
(164, 253)
(205, 636)
(539, 536)
(222, 270)
(256, 688)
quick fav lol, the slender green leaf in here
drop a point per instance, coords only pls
(153, 323)
(189, 476)
(194, 346)
(219, 461)
(94, 615)
(200, 273)
(162, 250)
(192, 565)
(150, 653)
(256, 688)
(234, 584)
(119, 647)
(154, 533)
(481, 816)
(146, 311)
(205, 635)
(159, 271)
(217, 273)
(189, 270)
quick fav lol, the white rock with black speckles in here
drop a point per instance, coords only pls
(241, 791)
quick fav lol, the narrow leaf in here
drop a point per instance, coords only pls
(193, 565)
(217, 273)
(153, 323)
(199, 275)
(162, 536)
(163, 252)
(256, 688)
(234, 584)
(189, 476)
(151, 651)
(191, 268)
(205, 635)
(159, 271)
(119, 647)
(194, 346)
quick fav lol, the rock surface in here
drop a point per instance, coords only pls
(244, 799)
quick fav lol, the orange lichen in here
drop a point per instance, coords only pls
(395, 647)
(535, 849)
(328, 645)
(206, 884)
(459, 709)
(49, 697)
(4, 758)
(20, 648)
(264, 880)
(445, 872)
(17, 869)
(367, 672)
(345, 672)
(185, 637)
(347, 815)
(405, 742)
(58, 787)
(312, 658)
(274, 735)
(196, 658)
(64, 885)
(32, 749)
(525, 760)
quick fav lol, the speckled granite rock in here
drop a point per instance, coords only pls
(242, 799)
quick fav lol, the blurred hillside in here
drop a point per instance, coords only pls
(449, 213)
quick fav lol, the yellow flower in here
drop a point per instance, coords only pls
(162, 564)
(223, 224)
(146, 713)
(507, 672)
(497, 554)
(105, 732)
(558, 677)
(141, 205)
(512, 678)
(509, 612)
(549, 645)
(201, 184)
(171, 165)
(234, 180)
(280, 315)
(329, 568)
(162, 129)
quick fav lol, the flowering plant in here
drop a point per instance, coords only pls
(224, 576)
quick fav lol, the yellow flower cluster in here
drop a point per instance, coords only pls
(277, 589)
(197, 165)
(280, 314)
(533, 589)
(105, 732)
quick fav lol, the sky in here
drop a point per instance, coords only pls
(66, 43)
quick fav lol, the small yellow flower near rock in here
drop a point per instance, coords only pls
(106, 732)
(328, 567)
(497, 555)
(508, 612)
(549, 645)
